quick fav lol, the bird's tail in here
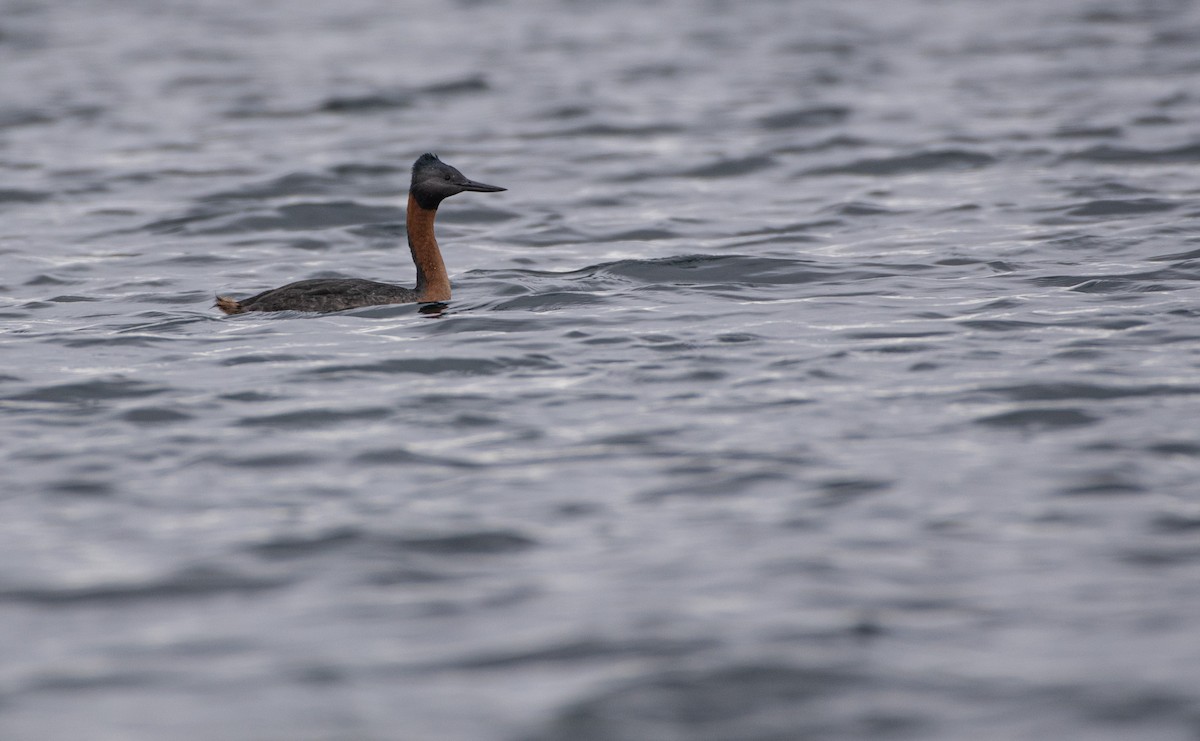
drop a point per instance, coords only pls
(229, 305)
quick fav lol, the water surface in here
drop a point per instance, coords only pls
(829, 370)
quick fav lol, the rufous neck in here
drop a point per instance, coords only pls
(433, 284)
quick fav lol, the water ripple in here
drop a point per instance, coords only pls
(187, 584)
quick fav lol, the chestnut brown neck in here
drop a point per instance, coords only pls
(433, 284)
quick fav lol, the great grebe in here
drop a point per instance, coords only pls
(432, 181)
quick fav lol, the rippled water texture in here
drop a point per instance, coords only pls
(828, 370)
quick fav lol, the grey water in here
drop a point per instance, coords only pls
(829, 370)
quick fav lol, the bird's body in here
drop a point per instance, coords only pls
(321, 294)
(433, 181)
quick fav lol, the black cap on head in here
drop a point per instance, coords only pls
(425, 160)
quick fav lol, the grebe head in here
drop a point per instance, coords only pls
(434, 180)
